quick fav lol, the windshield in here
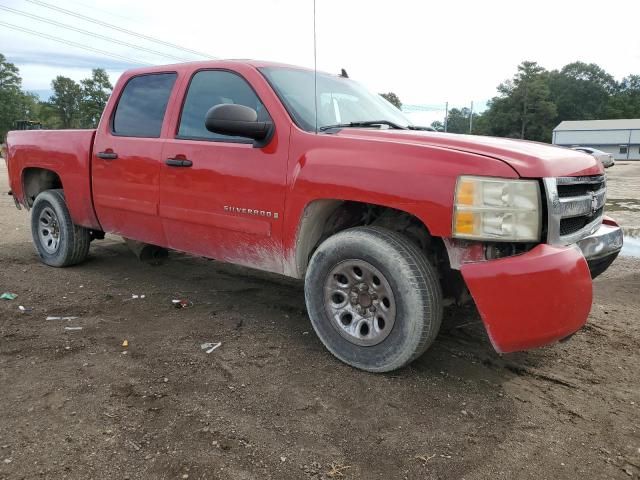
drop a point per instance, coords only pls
(340, 100)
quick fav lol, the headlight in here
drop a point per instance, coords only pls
(497, 209)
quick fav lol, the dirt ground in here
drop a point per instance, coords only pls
(271, 402)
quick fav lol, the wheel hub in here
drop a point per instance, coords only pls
(364, 300)
(360, 302)
(49, 230)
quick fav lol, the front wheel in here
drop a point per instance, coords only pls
(58, 241)
(373, 298)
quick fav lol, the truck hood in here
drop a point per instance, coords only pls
(528, 159)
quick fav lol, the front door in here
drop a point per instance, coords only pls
(220, 196)
(126, 160)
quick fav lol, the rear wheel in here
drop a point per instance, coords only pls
(373, 298)
(58, 241)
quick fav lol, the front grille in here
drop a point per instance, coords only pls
(574, 190)
(575, 206)
(574, 224)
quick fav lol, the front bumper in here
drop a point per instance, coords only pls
(530, 300)
(602, 248)
(544, 295)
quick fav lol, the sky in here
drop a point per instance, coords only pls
(427, 52)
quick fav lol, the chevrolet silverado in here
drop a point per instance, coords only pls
(311, 176)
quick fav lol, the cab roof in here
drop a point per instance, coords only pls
(204, 64)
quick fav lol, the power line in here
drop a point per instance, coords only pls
(95, 9)
(115, 27)
(87, 32)
(73, 44)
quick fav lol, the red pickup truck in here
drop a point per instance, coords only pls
(241, 162)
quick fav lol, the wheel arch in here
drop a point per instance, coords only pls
(36, 180)
(324, 217)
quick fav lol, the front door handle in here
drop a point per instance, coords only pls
(178, 162)
(107, 155)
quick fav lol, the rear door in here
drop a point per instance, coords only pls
(220, 196)
(126, 159)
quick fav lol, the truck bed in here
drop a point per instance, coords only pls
(68, 153)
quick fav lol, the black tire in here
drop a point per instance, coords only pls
(65, 244)
(415, 288)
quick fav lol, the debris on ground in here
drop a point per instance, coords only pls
(210, 347)
(336, 470)
(424, 459)
(181, 303)
(72, 328)
(8, 296)
(125, 343)
(61, 318)
(24, 309)
(135, 446)
(135, 296)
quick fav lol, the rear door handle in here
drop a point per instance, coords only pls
(107, 155)
(178, 162)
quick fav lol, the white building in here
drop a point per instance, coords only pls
(620, 137)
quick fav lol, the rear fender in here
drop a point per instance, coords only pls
(65, 153)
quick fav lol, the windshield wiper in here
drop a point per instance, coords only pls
(418, 127)
(368, 123)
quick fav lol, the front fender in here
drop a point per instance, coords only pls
(413, 178)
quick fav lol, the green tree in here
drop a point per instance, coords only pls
(95, 93)
(12, 101)
(30, 106)
(48, 116)
(580, 91)
(625, 101)
(392, 98)
(458, 120)
(66, 101)
(524, 108)
(437, 125)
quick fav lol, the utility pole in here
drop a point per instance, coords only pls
(446, 115)
(524, 112)
(471, 118)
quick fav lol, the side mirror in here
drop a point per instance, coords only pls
(238, 121)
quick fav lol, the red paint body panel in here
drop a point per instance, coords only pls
(529, 159)
(126, 190)
(225, 174)
(65, 152)
(531, 299)
(413, 177)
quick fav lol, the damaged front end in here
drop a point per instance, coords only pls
(531, 293)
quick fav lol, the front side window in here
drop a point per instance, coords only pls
(209, 88)
(339, 100)
(142, 105)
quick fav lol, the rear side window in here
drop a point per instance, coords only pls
(209, 88)
(142, 105)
